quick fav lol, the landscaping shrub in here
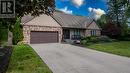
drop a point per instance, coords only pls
(125, 38)
(17, 32)
(84, 42)
(104, 39)
(94, 39)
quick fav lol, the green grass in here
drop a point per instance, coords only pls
(119, 48)
(25, 60)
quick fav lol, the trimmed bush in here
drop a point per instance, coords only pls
(84, 42)
(17, 32)
(104, 39)
(94, 39)
(124, 38)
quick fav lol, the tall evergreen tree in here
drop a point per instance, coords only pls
(17, 32)
(116, 13)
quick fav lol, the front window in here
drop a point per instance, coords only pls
(76, 32)
(77, 35)
(93, 32)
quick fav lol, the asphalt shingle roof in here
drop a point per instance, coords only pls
(65, 20)
(71, 21)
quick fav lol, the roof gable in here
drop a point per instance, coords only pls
(93, 25)
(43, 20)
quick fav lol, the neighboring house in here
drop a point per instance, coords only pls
(58, 27)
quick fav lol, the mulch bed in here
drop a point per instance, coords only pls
(5, 54)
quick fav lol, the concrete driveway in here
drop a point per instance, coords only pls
(65, 58)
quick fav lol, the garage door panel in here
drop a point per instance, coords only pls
(44, 37)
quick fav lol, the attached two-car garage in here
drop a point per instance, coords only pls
(44, 37)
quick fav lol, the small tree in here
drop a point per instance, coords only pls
(17, 32)
(111, 30)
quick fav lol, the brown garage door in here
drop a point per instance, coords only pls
(43, 37)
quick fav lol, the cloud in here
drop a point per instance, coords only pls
(96, 13)
(78, 3)
(65, 10)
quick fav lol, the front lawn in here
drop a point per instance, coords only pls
(119, 48)
(25, 60)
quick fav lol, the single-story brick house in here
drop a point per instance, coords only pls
(57, 27)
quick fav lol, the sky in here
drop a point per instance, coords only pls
(94, 8)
